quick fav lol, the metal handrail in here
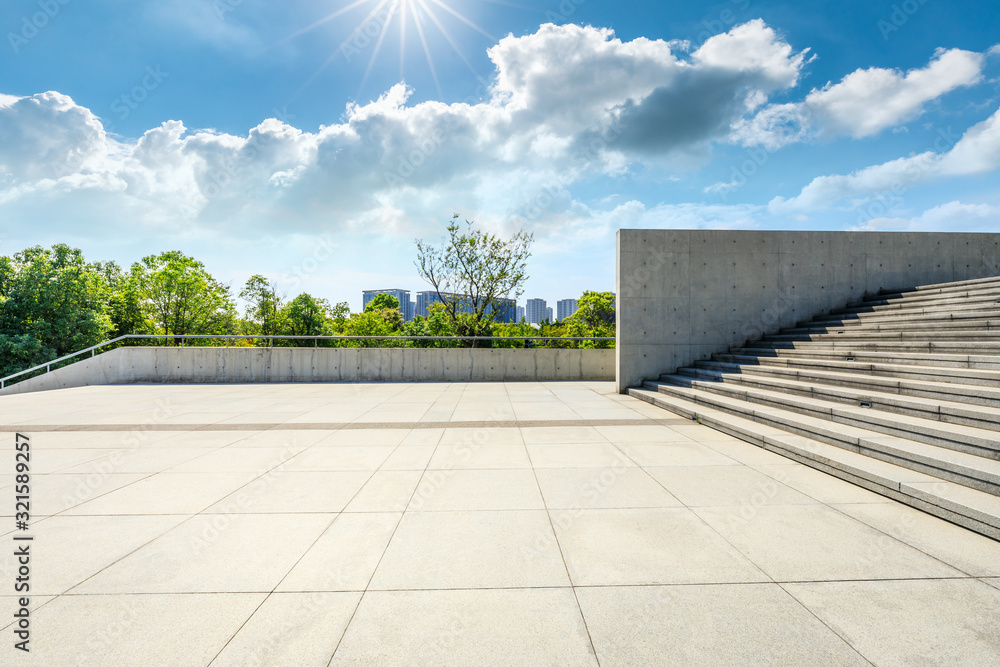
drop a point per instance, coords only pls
(93, 349)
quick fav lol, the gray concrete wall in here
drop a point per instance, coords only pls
(683, 295)
(128, 365)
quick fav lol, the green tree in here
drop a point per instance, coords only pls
(180, 297)
(52, 303)
(263, 305)
(382, 302)
(595, 317)
(595, 309)
(305, 315)
(125, 303)
(472, 272)
(386, 307)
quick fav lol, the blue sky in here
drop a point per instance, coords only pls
(314, 141)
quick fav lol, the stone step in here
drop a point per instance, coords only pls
(951, 412)
(977, 324)
(970, 296)
(984, 361)
(956, 293)
(947, 307)
(970, 508)
(958, 335)
(821, 417)
(987, 378)
(929, 347)
(952, 392)
(877, 318)
(941, 288)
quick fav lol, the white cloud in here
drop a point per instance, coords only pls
(950, 217)
(568, 102)
(863, 103)
(976, 152)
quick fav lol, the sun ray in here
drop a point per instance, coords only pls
(463, 19)
(402, 36)
(371, 15)
(325, 19)
(427, 51)
(448, 38)
(378, 44)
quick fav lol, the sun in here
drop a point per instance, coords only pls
(379, 18)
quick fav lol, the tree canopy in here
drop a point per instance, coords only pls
(472, 272)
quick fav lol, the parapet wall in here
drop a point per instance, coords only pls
(129, 365)
(683, 295)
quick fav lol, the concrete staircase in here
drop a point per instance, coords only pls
(899, 394)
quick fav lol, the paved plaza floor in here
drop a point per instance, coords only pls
(460, 524)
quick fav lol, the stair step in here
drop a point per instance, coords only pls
(926, 301)
(970, 508)
(904, 318)
(958, 335)
(983, 324)
(957, 294)
(904, 371)
(953, 285)
(822, 416)
(983, 303)
(925, 408)
(942, 347)
(959, 393)
(984, 362)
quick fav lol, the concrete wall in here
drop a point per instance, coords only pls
(683, 295)
(283, 364)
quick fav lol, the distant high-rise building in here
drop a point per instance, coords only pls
(565, 308)
(520, 313)
(506, 311)
(405, 306)
(548, 313)
(535, 310)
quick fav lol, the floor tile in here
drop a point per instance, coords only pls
(477, 490)
(578, 456)
(647, 546)
(166, 493)
(500, 627)
(910, 622)
(741, 624)
(970, 552)
(828, 545)
(675, 454)
(69, 549)
(283, 491)
(301, 629)
(819, 485)
(386, 491)
(234, 553)
(471, 550)
(588, 488)
(739, 486)
(345, 556)
(346, 457)
(475, 456)
(168, 630)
